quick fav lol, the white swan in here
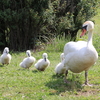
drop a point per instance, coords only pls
(5, 57)
(42, 64)
(28, 61)
(60, 69)
(81, 55)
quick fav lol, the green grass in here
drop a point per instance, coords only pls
(17, 83)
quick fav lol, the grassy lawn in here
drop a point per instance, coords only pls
(17, 83)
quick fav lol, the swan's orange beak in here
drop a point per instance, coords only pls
(83, 32)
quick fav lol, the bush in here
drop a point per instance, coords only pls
(24, 23)
(67, 16)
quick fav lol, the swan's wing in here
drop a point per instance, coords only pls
(74, 46)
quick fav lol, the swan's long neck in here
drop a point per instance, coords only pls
(90, 34)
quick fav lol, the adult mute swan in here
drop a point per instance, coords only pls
(81, 55)
(42, 64)
(60, 69)
(5, 57)
(28, 61)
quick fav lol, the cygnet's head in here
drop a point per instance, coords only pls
(45, 56)
(62, 56)
(28, 53)
(6, 50)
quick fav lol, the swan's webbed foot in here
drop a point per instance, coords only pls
(86, 80)
(87, 84)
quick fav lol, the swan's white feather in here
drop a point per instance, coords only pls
(28, 61)
(81, 55)
(5, 57)
(42, 64)
(60, 69)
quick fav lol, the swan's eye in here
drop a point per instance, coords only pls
(84, 27)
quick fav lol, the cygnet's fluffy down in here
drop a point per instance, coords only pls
(28, 61)
(5, 57)
(60, 69)
(42, 64)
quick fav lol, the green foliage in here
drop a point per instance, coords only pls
(24, 23)
(68, 16)
(57, 44)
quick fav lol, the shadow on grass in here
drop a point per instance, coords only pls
(58, 76)
(1, 65)
(35, 71)
(22, 69)
(57, 84)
